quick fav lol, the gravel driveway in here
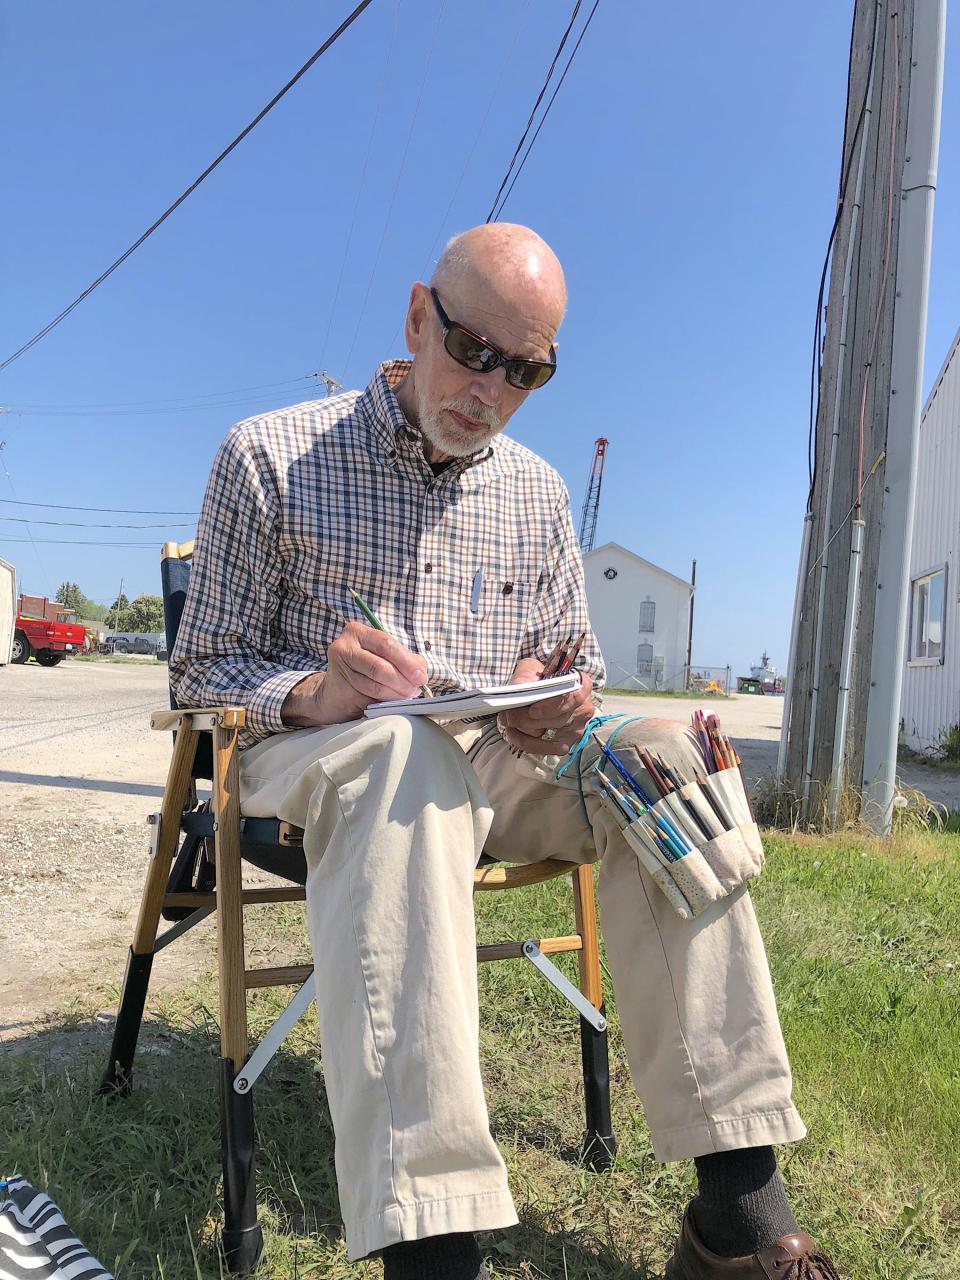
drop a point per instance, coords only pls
(80, 769)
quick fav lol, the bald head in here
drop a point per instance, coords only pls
(500, 282)
(504, 266)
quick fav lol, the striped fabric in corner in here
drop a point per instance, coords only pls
(35, 1241)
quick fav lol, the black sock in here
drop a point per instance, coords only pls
(453, 1257)
(742, 1206)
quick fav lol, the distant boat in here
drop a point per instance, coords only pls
(770, 680)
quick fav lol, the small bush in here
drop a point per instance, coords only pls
(950, 743)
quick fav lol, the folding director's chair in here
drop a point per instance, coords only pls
(195, 870)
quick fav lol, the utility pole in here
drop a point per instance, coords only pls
(116, 612)
(841, 709)
(693, 592)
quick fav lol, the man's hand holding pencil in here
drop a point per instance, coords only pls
(551, 727)
(364, 665)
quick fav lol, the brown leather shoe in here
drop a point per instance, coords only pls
(794, 1257)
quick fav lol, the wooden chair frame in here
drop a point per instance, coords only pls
(179, 816)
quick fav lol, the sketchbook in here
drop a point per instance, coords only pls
(483, 700)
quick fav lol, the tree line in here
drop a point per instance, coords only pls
(142, 613)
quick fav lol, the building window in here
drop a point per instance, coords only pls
(644, 659)
(648, 615)
(926, 617)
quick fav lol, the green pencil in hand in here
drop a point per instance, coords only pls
(374, 621)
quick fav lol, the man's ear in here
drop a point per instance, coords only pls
(417, 316)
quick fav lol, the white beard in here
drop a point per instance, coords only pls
(447, 435)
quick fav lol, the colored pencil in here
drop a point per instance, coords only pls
(375, 622)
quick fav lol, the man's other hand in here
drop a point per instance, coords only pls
(568, 715)
(363, 666)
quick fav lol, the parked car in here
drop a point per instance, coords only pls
(46, 640)
(134, 642)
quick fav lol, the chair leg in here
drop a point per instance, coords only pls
(119, 1073)
(599, 1143)
(242, 1240)
(242, 1235)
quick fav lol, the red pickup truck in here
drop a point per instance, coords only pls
(49, 640)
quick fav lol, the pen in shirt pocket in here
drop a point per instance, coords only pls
(476, 591)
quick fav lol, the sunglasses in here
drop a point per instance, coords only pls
(474, 352)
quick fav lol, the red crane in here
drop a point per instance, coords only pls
(591, 502)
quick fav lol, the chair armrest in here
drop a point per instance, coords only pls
(228, 717)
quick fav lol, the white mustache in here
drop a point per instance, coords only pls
(483, 413)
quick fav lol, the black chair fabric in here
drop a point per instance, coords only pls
(259, 837)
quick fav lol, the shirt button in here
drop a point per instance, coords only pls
(428, 568)
(427, 645)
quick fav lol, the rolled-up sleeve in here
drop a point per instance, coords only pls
(228, 649)
(561, 607)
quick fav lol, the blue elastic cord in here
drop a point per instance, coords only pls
(576, 754)
(632, 720)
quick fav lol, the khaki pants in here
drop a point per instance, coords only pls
(396, 813)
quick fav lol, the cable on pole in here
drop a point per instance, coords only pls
(76, 524)
(124, 406)
(536, 107)
(347, 22)
(110, 511)
(816, 361)
(76, 542)
(546, 111)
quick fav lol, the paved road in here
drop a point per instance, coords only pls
(76, 739)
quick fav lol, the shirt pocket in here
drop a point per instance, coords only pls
(500, 601)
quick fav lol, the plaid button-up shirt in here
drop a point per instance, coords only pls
(474, 568)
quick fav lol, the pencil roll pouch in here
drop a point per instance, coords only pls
(728, 796)
(734, 857)
(710, 871)
(707, 816)
(658, 871)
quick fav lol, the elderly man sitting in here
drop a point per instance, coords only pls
(462, 542)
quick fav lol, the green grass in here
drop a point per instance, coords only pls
(864, 942)
(662, 693)
(115, 658)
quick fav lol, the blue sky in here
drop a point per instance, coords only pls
(686, 177)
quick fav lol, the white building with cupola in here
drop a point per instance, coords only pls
(641, 615)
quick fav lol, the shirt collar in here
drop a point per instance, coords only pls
(387, 419)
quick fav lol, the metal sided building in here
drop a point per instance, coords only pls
(8, 610)
(930, 701)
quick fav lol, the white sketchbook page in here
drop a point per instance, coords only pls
(482, 698)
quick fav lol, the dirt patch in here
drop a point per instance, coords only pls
(69, 895)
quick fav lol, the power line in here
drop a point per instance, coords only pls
(30, 538)
(168, 400)
(347, 22)
(73, 524)
(543, 118)
(536, 107)
(79, 542)
(110, 511)
(126, 413)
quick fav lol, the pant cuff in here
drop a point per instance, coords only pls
(484, 1212)
(760, 1129)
